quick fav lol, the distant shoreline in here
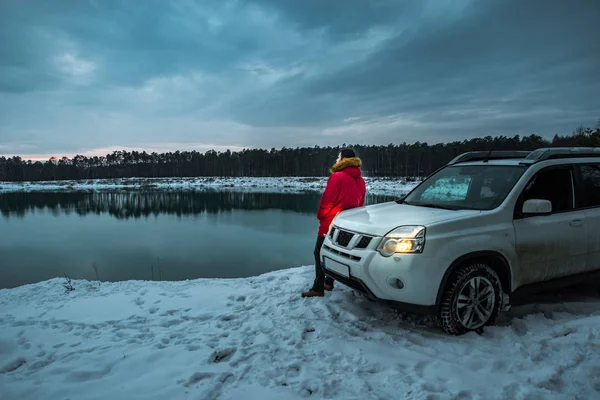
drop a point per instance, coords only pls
(376, 186)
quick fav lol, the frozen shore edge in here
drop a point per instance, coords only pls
(376, 186)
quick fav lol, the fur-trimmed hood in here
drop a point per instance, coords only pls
(345, 163)
(345, 189)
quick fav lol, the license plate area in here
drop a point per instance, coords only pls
(339, 268)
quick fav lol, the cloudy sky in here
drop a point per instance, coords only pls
(91, 76)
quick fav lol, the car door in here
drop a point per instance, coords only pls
(553, 245)
(589, 175)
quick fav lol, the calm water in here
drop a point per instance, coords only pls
(147, 235)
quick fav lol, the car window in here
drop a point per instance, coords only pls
(496, 185)
(471, 187)
(555, 185)
(449, 189)
(590, 177)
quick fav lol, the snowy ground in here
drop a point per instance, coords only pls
(382, 186)
(255, 338)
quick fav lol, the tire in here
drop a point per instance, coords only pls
(471, 299)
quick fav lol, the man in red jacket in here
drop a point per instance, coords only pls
(345, 189)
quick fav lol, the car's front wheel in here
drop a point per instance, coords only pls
(470, 300)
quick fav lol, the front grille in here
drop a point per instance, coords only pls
(331, 233)
(341, 253)
(364, 242)
(344, 238)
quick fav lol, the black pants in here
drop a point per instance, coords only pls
(320, 279)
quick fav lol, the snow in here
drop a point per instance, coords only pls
(256, 338)
(447, 190)
(376, 186)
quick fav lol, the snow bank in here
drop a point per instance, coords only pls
(255, 338)
(381, 186)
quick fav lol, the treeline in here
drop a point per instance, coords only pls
(417, 159)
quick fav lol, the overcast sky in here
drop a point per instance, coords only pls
(92, 76)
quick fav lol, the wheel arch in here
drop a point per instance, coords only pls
(494, 259)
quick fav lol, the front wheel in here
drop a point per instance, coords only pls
(471, 299)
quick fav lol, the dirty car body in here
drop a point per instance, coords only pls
(475, 235)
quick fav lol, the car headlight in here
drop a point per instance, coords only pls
(403, 239)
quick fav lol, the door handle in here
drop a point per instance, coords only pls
(576, 222)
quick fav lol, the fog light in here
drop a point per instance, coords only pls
(395, 283)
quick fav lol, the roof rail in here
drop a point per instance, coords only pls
(552, 153)
(489, 155)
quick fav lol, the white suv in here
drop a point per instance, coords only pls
(474, 235)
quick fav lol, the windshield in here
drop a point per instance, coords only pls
(471, 187)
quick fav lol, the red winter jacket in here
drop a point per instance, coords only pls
(345, 189)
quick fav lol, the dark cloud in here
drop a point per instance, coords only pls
(504, 55)
(131, 41)
(347, 19)
(492, 40)
(78, 74)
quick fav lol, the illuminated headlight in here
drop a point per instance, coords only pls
(404, 239)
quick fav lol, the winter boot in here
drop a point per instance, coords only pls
(313, 293)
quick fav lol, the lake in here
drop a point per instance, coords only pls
(154, 234)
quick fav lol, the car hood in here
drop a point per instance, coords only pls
(381, 218)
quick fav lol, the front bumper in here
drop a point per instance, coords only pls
(409, 281)
(360, 286)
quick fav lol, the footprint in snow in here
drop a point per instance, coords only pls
(519, 327)
(198, 377)
(13, 365)
(306, 333)
(192, 347)
(222, 355)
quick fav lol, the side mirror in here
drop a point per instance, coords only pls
(536, 206)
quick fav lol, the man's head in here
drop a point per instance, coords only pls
(345, 153)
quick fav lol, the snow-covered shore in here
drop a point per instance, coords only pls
(255, 338)
(378, 186)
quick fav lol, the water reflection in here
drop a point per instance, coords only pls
(138, 204)
(195, 234)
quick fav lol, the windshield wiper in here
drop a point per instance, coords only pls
(430, 205)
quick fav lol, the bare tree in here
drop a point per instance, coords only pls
(68, 286)
(95, 268)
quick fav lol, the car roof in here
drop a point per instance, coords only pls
(517, 162)
(516, 157)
